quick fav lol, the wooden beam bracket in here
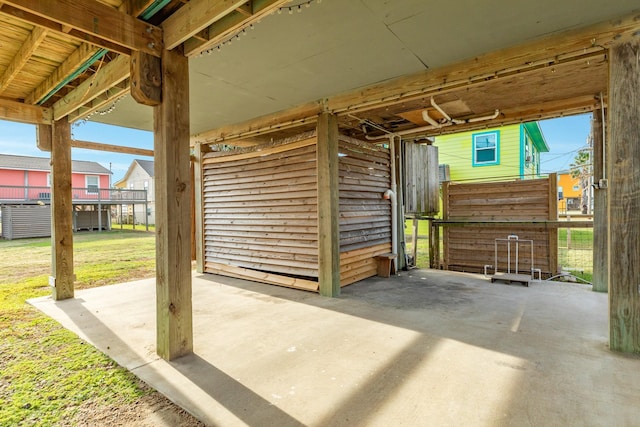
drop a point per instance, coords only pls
(146, 78)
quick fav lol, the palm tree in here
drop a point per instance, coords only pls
(581, 168)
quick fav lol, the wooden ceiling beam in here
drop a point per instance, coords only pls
(107, 77)
(193, 17)
(228, 25)
(526, 113)
(135, 7)
(269, 123)
(22, 57)
(39, 21)
(89, 145)
(93, 22)
(18, 112)
(68, 67)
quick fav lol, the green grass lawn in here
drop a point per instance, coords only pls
(422, 260)
(47, 374)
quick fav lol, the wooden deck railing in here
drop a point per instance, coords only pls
(88, 195)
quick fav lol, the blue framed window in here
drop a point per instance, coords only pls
(486, 146)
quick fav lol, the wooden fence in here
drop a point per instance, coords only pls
(365, 217)
(475, 215)
(261, 211)
(260, 214)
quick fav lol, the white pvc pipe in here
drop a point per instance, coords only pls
(604, 142)
(394, 201)
(481, 119)
(444, 114)
(427, 118)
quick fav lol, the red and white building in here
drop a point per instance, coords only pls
(27, 180)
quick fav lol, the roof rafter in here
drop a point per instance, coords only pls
(107, 77)
(66, 69)
(194, 17)
(22, 56)
(91, 21)
(223, 28)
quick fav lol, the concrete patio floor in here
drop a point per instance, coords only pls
(423, 348)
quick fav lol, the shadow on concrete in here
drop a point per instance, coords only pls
(235, 397)
(243, 402)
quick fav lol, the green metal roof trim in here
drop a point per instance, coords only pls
(534, 131)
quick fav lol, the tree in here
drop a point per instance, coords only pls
(581, 169)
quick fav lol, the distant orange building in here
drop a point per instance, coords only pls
(569, 193)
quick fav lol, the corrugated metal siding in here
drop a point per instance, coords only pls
(88, 220)
(21, 222)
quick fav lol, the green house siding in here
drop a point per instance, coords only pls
(457, 151)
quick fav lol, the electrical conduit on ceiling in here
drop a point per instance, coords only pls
(147, 14)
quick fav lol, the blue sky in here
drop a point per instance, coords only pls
(565, 137)
(20, 139)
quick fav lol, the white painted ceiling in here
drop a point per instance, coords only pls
(338, 45)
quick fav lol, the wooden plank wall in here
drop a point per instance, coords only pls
(260, 214)
(422, 185)
(365, 217)
(470, 247)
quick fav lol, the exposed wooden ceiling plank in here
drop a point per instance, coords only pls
(228, 25)
(19, 112)
(246, 9)
(107, 77)
(194, 17)
(135, 7)
(89, 145)
(55, 26)
(68, 67)
(22, 57)
(97, 20)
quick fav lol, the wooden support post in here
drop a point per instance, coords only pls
(198, 180)
(553, 216)
(600, 278)
(445, 229)
(414, 239)
(173, 208)
(434, 245)
(624, 197)
(62, 276)
(328, 206)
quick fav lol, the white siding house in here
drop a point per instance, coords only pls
(139, 176)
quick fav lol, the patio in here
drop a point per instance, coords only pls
(425, 347)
